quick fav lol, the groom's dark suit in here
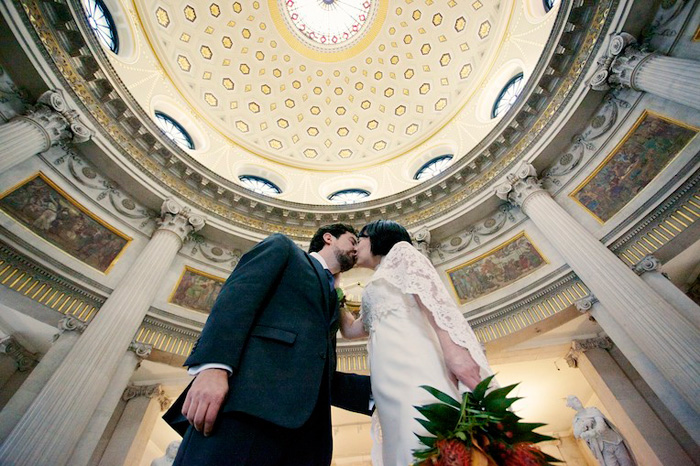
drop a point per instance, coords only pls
(274, 324)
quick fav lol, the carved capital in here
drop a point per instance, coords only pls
(581, 346)
(179, 220)
(147, 391)
(421, 239)
(58, 122)
(648, 264)
(24, 359)
(586, 303)
(619, 65)
(520, 185)
(69, 324)
(142, 350)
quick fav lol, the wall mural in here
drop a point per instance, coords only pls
(197, 290)
(495, 269)
(644, 152)
(43, 208)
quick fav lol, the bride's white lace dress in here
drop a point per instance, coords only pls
(404, 352)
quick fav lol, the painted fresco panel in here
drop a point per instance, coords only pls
(496, 269)
(41, 207)
(197, 290)
(643, 154)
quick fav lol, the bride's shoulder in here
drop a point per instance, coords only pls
(402, 250)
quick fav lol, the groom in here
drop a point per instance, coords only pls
(265, 361)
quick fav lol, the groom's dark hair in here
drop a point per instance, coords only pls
(383, 235)
(335, 229)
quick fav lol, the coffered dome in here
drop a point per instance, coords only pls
(261, 96)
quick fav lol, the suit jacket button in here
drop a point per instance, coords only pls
(322, 355)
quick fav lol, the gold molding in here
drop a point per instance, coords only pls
(488, 253)
(78, 206)
(613, 152)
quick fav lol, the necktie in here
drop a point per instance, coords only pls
(331, 280)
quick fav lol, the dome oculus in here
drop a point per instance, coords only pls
(328, 24)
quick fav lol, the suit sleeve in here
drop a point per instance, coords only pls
(351, 392)
(240, 301)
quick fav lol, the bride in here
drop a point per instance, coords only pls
(417, 336)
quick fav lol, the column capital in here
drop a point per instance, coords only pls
(147, 391)
(520, 185)
(24, 359)
(648, 264)
(421, 239)
(581, 346)
(618, 66)
(142, 350)
(58, 121)
(179, 220)
(586, 303)
(70, 324)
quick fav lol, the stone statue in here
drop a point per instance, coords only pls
(169, 457)
(601, 436)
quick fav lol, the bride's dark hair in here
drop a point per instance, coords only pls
(383, 235)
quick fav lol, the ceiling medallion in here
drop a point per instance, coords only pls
(328, 30)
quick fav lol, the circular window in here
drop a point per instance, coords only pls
(260, 185)
(433, 167)
(329, 23)
(102, 24)
(348, 196)
(174, 131)
(549, 4)
(508, 95)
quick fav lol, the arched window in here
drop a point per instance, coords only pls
(549, 4)
(348, 196)
(101, 22)
(432, 167)
(174, 131)
(260, 185)
(508, 95)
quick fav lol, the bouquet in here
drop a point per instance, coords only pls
(478, 431)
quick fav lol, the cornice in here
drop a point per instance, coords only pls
(79, 61)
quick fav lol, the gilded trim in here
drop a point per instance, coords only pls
(78, 206)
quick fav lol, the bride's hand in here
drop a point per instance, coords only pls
(462, 367)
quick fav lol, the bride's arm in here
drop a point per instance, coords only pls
(350, 327)
(459, 361)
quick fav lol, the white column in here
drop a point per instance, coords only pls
(647, 436)
(50, 429)
(15, 365)
(90, 442)
(648, 269)
(664, 390)
(144, 403)
(675, 79)
(667, 338)
(44, 125)
(69, 330)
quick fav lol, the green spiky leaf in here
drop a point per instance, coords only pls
(442, 396)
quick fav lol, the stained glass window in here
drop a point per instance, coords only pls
(433, 167)
(101, 22)
(508, 95)
(348, 196)
(260, 185)
(174, 131)
(329, 22)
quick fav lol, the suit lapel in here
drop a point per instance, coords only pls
(323, 281)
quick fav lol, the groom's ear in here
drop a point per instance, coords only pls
(328, 238)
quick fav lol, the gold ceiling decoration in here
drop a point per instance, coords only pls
(239, 66)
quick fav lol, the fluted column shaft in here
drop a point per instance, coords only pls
(627, 65)
(51, 427)
(89, 443)
(14, 409)
(669, 340)
(47, 123)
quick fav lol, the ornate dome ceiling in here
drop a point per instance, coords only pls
(261, 98)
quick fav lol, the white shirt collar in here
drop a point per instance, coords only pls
(320, 259)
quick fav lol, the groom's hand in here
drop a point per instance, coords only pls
(204, 400)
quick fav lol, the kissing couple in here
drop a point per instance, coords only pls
(265, 363)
